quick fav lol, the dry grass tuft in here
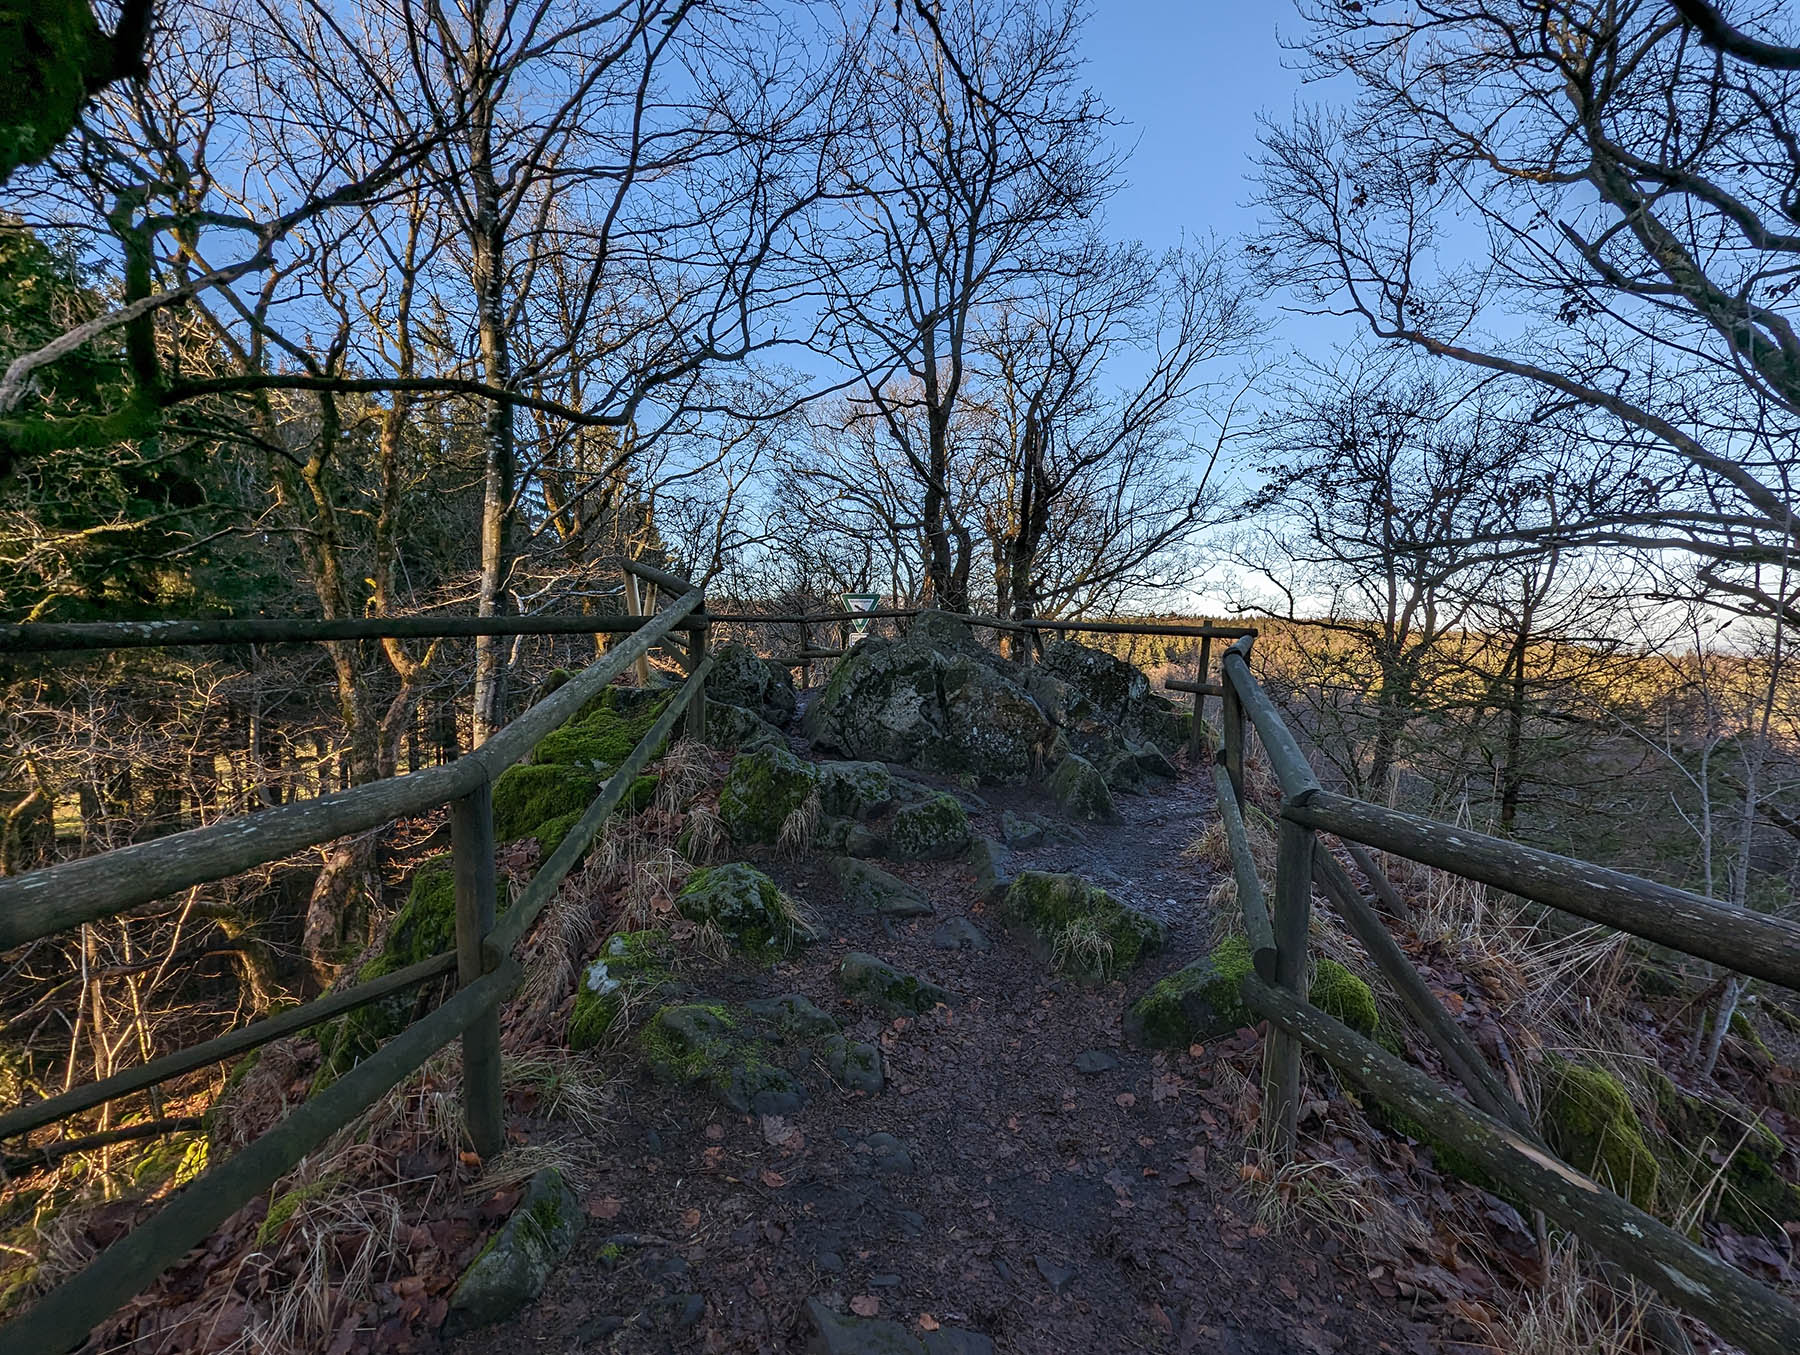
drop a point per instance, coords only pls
(800, 827)
(1083, 945)
(683, 773)
(708, 841)
(1573, 1312)
(1211, 848)
(650, 892)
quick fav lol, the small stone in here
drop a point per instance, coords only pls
(1019, 831)
(960, 934)
(1058, 1276)
(885, 1281)
(988, 860)
(889, 1155)
(854, 1065)
(874, 982)
(957, 1341)
(841, 1334)
(829, 1262)
(868, 888)
(1095, 1061)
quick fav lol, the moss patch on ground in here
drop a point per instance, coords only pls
(1090, 933)
(1589, 1120)
(529, 795)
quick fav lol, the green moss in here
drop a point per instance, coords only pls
(631, 967)
(746, 905)
(1203, 1001)
(550, 835)
(1049, 903)
(1753, 1194)
(528, 796)
(602, 734)
(176, 1160)
(704, 1043)
(1589, 1120)
(764, 787)
(876, 983)
(285, 1206)
(931, 830)
(610, 1254)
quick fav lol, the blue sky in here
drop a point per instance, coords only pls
(1189, 81)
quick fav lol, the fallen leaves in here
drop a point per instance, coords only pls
(774, 1180)
(603, 1207)
(865, 1305)
(927, 1322)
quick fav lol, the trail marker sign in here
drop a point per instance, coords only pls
(861, 602)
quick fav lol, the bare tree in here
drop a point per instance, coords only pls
(1632, 250)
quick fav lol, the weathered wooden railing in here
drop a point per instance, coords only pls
(43, 902)
(1494, 1132)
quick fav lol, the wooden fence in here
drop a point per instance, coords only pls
(43, 902)
(1490, 1129)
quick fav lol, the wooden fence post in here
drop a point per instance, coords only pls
(695, 728)
(1195, 741)
(1293, 926)
(472, 859)
(637, 603)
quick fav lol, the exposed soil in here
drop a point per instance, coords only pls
(1050, 1208)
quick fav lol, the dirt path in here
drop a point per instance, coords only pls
(1026, 1175)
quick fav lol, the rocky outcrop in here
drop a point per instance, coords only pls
(939, 700)
(760, 686)
(764, 790)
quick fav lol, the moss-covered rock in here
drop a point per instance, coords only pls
(847, 837)
(603, 733)
(632, 967)
(1588, 1118)
(1203, 1002)
(1755, 1194)
(705, 1043)
(762, 789)
(933, 829)
(794, 1016)
(874, 982)
(746, 905)
(1090, 933)
(1081, 790)
(529, 795)
(513, 1268)
(855, 790)
(853, 1065)
(743, 678)
(730, 726)
(869, 889)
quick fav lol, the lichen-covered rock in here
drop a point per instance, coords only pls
(731, 726)
(1113, 685)
(867, 888)
(1755, 1194)
(1202, 1001)
(855, 790)
(529, 795)
(705, 1043)
(1089, 932)
(763, 788)
(931, 830)
(1081, 790)
(1021, 831)
(746, 905)
(742, 678)
(934, 699)
(632, 967)
(873, 982)
(513, 1268)
(1588, 1118)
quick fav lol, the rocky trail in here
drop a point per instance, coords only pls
(1026, 1180)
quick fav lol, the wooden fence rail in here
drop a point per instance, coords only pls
(49, 900)
(1496, 1134)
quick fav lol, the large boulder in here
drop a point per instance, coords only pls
(741, 678)
(934, 699)
(744, 904)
